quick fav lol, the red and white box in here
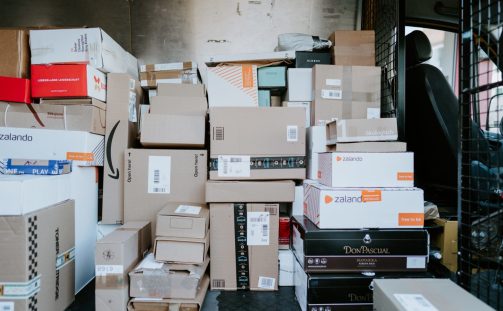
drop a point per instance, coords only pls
(15, 90)
(284, 232)
(76, 80)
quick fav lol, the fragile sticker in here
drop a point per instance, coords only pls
(257, 228)
(233, 166)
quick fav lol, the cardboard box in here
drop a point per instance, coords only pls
(151, 279)
(34, 167)
(116, 255)
(446, 239)
(180, 90)
(423, 294)
(345, 92)
(144, 229)
(250, 191)
(156, 177)
(162, 130)
(168, 66)
(298, 202)
(348, 250)
(300, 85)
(268, 144)
(90, 46)
(254, 58)
(356, 208)
(15, 90)
(232, 86)
(358, 130)
(77, 80)
(284, 232)
(181, 250)
(264, 98)
(305, 105)
(316, 137)
(370, 146)
(275, 101)
(154, 78)
(307, 59)
(37, 266)
(14, 53)
(272, 77)
(124, 96)
(286, 267)
(366, 169)
(183, 221)
(83, 148)
(86, 115)
(142, 304)
(196, 105)
(353, 48)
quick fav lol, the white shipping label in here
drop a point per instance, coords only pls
(233, 166)
(159, 174)
(266, 283)
(188, 209)
(414, 302)
(373, 113)
(20, 290)
(257, 228)
(104, 270)
(6, 305)
(333, 82)
(416, 262)
(132, 84)
(331, 94)
(292, 133)
(132, 107)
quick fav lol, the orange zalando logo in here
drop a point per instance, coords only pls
(338, 158)
(328, 199)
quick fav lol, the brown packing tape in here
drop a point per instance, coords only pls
(347, 91)
(111, 281)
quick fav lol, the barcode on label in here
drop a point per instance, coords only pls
(292, 133)
(267, 283)
(233, 166)
(236, 160)
(271, 210)
(218, 283)
(226, 166)
(265, 230)
(331, 94)
(218, 133)
(157, 176)
(159, 190)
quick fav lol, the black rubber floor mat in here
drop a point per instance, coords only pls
(283, 299)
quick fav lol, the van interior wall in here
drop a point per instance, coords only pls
(174, 30)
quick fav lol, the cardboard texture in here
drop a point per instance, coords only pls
(356, 208)
(250, 191)
(124, 97)
(178, 105)
(300, 85)
(361, 130)
(353, 48)
(156, 177)
(307, 59)
(35, 167)
(232, 86)
(76, 80)
(447, 241)
(15, 90)
(168, 66)
(271, 77)
(86, 115)
(181, 250)
(90, 46)
(423, 294)
(345, 92)
(257, 143)
(183, 221)
(180, 90)
(144, 229)
(164, 130)
(14, 53)
(37, 266)
(305, 105)
(151, 279)
(286, 268)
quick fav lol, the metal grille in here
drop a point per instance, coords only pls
(481, 196)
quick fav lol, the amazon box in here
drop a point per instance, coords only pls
(183, 221)
(124, 97)
(181, 250)
(353, 48)
(178, 105)
(14, 53)
(169, 131)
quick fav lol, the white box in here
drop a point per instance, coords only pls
(81, 45)
(83, 148)
(305, 105)
(232, 86)
(286, 267)
(357, 208)
(366, 169)
(300, 85)
(356, 130)
(316, 143)
(298, 201)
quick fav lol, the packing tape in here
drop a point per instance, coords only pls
(241, 247)
(111, 281)
(65, 258)
(262, 163)
(20, 290)
(347, 91)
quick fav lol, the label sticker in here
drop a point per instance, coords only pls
(80, 156)
(405, 176)
(371, 196)
(267, 283)
(333, 82)
(416, 262)
(187, 209)
(373, 113)
(132, 107)
(159, 174)
(411, 219)
(331, 94)
(64, 258)
(132, 83)
(257, 232)
(414, 302)
(292, 133)
(103, 270)
(20, 290)
(233, 166)
(7, 306)
(247, 76)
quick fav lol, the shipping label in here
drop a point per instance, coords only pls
(159, 174)
(258, 228)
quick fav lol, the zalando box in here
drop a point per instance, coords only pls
(233, 86)
(356, 208)
(366, 169)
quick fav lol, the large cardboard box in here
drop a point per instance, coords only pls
(86, 115)
(90, 46)
(181, 250)
(366, 169)
(169, 130)
(353, 48)
(37, 265)
(15, 90)
(156, 177)
(183, 221)
(445, 238)
(116, 255)
(14, 53)
(75, 80)
(257, 143)
(185, 105)
(232, 86)
(152, 279)
(250, 191)
(345, 92)
(361, 130)
(356, 208)
(180, 90)
(300, 85)
(423, 294)
(144, 229)
(124, 97)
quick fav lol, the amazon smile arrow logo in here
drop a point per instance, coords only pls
(115, 173)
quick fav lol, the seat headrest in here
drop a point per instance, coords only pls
(418, 48)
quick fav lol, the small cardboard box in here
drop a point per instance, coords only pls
(358, 130)
(180, 90)
(196, 105)
(181, 250)
(15, 90)
(447, 241)
(366, 169)
(273, 77)
(168, 66)
(34, 167)
(77, 80)
(307, 59)
(300, 85)
(184, 131)
(356, 208)
(353, 48)
(183, 221)
(14, 53)
(144, 229)
(232, 86)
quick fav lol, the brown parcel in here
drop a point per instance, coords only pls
(358, 130)
(156, 177)
(181, 250)
(185, 131)
(38, 258)
(345, 92)
(250, 191)
(183, 221)
(353, 48)
(183, 90)
(139, 304)
(151, 279)
(447, 242)
(116, 255)
(144, 229)
(369, 146)
(14, 53)
(178, 105)
(86, 115)
(257, 143)
(123, 99)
